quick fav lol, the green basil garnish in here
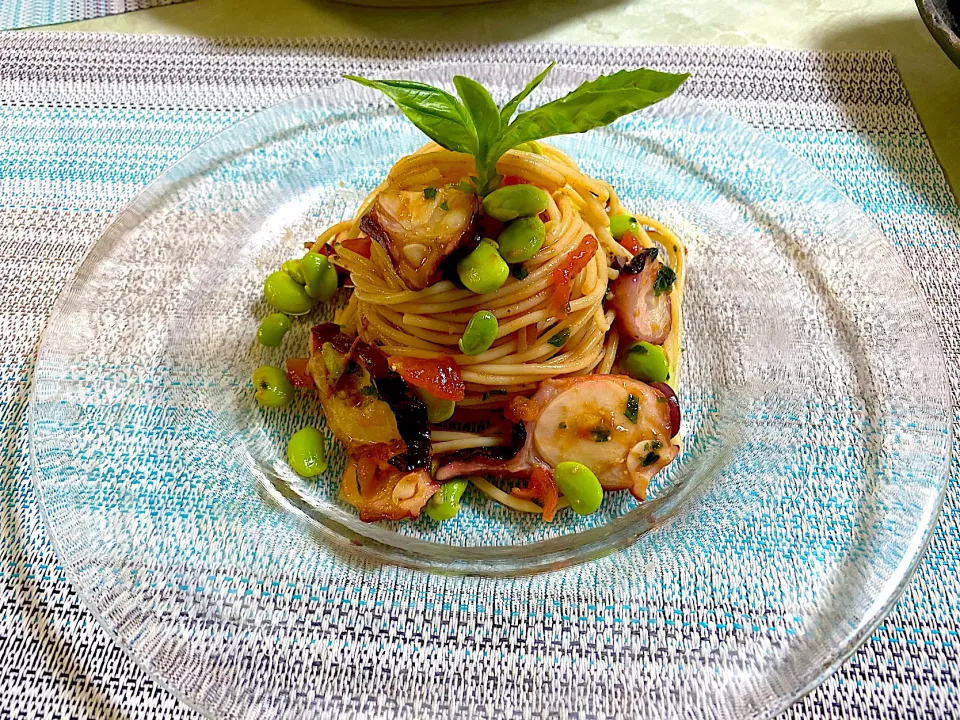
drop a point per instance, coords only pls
(473, 124)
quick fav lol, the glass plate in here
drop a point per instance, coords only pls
(815, 426)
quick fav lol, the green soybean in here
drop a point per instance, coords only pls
(273, 387)
(480, 333)
(579, 486)
(483, 270)
(272, 329)
(513, 201)
(286, 294)
(438, 409)
(521, 239)
(647, 362)
(293, 269)
(319, 276)
(306, 452)
(621, 224)
(445, 502)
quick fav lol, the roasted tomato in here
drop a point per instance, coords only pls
(361, 246)
(440, 377)
(541, 488)
(387, 493)
(509, 180)
(642, 314)
(630, 243)
(617, 426)
(419, 229)
(298, 374)
(565, 273)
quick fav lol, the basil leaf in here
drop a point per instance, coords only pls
(486, 120)
(511, 107)
(594, 104)
(436, 112)
(665, 280)
(560, 338)
(632, 410)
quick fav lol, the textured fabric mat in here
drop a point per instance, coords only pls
(31, 13)
(87, 120)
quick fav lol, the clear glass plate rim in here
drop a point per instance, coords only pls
(111, 233)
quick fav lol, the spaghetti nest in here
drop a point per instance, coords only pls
(537, 338)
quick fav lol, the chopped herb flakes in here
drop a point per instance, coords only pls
(600, 434)
(560, 338)
(562, 426)
(650, 459)
(656, 445)
(429, 192)
(445, 207)
(664, 282)
(369, 391)
(632, 410)
(519, 272)
(492, 393)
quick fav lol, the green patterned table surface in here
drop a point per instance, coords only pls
(932, 81)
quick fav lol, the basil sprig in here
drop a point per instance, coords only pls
(473, 124)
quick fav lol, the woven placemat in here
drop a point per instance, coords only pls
(33, 13)
(87, 120)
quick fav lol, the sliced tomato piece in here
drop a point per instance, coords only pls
(630, 242)
(361, 246)
(298, 374)
(520, 409)
(565, 273)
(440, 377)
(542, 488)
(509, 180)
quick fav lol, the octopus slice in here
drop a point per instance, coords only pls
(642, 314)
(420, 229)
(386, 477)
(617, 426)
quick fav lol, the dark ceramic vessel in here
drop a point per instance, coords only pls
(943, 19)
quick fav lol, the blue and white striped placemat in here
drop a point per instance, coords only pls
(88, 120)
(16, 14)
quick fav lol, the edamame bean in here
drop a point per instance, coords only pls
(319, 276)
(286, 294)
(521, 239)
(621, 224)
(306, 452)
(445, 502)
(293, 269)
(272, 329)
(580, 486)
(273, 388)
(438, 409)
(647, 362)
(480, 333)
(483, 270)
(513, 201)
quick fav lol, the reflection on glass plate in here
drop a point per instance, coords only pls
(815, 428)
